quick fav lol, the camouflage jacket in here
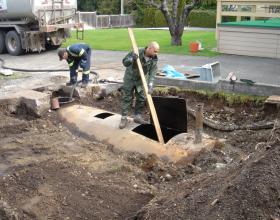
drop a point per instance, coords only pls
(132, 73)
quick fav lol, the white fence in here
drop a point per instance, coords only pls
(92, 20)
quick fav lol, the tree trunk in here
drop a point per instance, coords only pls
(176, 40)
(176, 34)
(176, 18)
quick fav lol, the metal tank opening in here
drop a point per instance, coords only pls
(171, 112)
(104, 115)
(172, 116)
(149, 131)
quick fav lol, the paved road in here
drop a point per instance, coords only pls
(108, 64)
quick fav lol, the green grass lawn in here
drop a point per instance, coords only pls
(118, 39)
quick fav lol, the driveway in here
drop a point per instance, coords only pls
(108, 65)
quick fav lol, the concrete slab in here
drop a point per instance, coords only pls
(36, 102)
(259, 89)
(95, 91)
(108, 88)
(11, 101)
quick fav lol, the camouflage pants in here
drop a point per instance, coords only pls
(130, 89)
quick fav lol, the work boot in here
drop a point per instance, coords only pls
(123, 122)
(139, 120)
(84, 85)
(71, 83)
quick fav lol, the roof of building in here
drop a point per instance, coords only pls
(270, 23)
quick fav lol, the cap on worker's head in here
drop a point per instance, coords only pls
(60, 53)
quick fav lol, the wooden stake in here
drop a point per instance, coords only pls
(149, 97)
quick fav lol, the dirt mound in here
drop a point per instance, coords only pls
(250, 190)
(47, 172)
(62, 190)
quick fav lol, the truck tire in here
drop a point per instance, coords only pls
(2, 43)
(13, 43)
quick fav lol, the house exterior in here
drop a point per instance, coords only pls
(255, 31)
(247, 8)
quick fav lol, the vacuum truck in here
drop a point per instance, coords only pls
(35, 25)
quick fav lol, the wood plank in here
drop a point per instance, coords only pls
(242, 41)
(247, 42)
(249, 29)
(249, 49)
(259, 45)
(252, 36)
(247, 39)
(149, 97)
(247, 53)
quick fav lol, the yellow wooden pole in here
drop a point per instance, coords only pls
(149, 97)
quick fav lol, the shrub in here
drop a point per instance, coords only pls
(159, 19)
(197, 18)
(202, 18)
(153, 18)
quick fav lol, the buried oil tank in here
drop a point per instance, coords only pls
(102, 125)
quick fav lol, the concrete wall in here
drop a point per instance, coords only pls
(261, 42)
(221, 86)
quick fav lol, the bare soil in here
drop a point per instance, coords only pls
(46, 172)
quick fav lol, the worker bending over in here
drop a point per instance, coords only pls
(77, 56)
(132, 81)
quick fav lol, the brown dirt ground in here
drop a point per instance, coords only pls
(46, 172)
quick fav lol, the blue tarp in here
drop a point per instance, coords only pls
(172, 73)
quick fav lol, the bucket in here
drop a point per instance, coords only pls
(65, 100)
(194, 47)
(55, 103)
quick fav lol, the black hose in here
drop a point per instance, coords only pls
(40, 70)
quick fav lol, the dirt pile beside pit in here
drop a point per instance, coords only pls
(250, 190)
(59, 189)
(46, 172)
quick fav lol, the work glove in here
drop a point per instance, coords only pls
(150, 88)
(134, 56)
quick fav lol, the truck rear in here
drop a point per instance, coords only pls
(35, 25)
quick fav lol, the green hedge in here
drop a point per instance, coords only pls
(154, 18)
(197, 18)
(202, 18)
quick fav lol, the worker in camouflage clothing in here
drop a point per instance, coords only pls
(132, 81)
